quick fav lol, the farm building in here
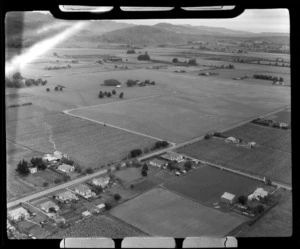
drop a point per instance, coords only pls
(66, 168)
(228, 198)
(157, 163)
(49, 158)
(101, 207)
(232, 140)
(258, 193)
(171, 156)
(67, 196)
(101, 181)
(18, 213)
(46, 206)
(33, 170)
(84, 191)
(86, 214)
(251, 144)
(58, 154)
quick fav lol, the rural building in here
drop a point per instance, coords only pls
(86, 214)
(227, 197)
(17, 214)
(67, 196)
(101, 207)
(66, 168)
(46, 206)
(58, 154)
(84, 191)
(251, 144)
(157, 163)
(283, 125)
(232, 140)
(33, 170)
(49, 158)
(171, 156)
(101, 181)
(258, 193)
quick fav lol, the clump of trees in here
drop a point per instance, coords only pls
(144, 57)
(18, 81)
(135, 153)
(188, 165)
(111, 82)
(175, 60)
(121, 95)
(192, 62)
(131, 51)
(22, 168)
(57, 67)
(38, 162)
(160, 144)
(89, 171)
(267, 77)
(242, 199)
(117, 197)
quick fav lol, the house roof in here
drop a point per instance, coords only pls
(49, 157)
(48, 204)
(231, 138)
(65, 167)
(18, 211)
(228, 196)
(101, 205)
(170, 155)
(86, 213)
(66, 194)
(82, 188)
(155, 160)
(101, 179)
(260, 191)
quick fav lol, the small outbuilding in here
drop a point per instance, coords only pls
(86, 213)
(228, 198)
(232, 140)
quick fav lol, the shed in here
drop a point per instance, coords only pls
(86, 214)
(101, 207)
(33, 170)
(232, 140)
(227, 197)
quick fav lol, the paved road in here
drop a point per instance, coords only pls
(50, 190)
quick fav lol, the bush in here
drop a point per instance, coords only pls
(192, 62)
(242, 199)
(131, 83)
(259, 209)
(144, 57)
(108, 205)
(135, 153)
(131, 186)
(45, 184)
(117, 197)
(188, 165)
(66, 178)
(89, 171)
(112, 82)
(48, 89)
(175, 60)
(131, 51)
(160, 144)
(121, 95)
(57, 180)
(207, 136)
(114, 92)
(66, 161)
(108, 94)
(144, 173)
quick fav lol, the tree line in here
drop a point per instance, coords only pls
(18, 81)
(267, 77)
(101, 94)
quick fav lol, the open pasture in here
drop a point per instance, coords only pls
(159, 212)
(207, 184)
(192, 108)
(283, 116)
(266, 136)
(263, 161)
(89, 143)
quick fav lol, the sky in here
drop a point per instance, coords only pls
(254, 20)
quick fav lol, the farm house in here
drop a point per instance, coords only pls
(258, 193)
(17, 214)
(67, 196)
(101, 181)
(84, 191)
(171, 156)
(66, 168)
(156, 162)
(46, 206)
(33, 170)
(227, 198)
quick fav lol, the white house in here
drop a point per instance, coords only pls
(156, 162)
(101, 207)
(84, 191)
(49, 158)
(171, 156)
(67, 196)
(66, 168)
(86, 214)
(258, 193)
(46, 206)
(227, 197)
(17, 214)
(232, 140)
(33, 170)
(101, 181)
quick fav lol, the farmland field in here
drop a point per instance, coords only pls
(261, 160)
(99, 226)
(193, 106)
(89, 143)
(207, 184)
(159, 212)
(283, 116)
(266, 136)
